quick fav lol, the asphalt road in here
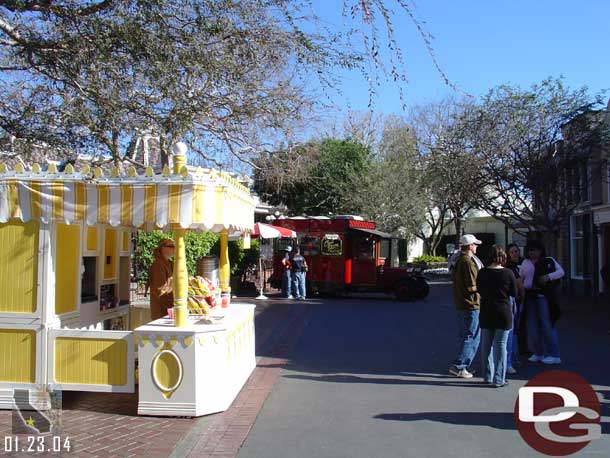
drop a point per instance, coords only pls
(369, 378)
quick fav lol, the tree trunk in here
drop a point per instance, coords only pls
(458, 231)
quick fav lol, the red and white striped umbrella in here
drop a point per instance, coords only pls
(267, 231)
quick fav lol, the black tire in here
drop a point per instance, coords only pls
(402, 290)
(420, 288)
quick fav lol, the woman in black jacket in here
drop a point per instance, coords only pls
(498, 288)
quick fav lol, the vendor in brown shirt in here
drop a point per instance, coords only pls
(161, 270)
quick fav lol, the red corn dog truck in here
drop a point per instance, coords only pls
(347, 254)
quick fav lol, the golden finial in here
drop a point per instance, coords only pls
(98, 172)
(3, 168)
(85, 170)
(19, 168)
(114, 172)
(36, 167)
(149, 172)
(52, 168)
(69, 170)
(166, 171)
(131, 171)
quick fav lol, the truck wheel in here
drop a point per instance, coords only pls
(402, 291)
(420, 288)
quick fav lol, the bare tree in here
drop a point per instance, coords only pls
(450, 173)
(225, 76)
(536, 145)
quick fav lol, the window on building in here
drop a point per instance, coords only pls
(579, 239)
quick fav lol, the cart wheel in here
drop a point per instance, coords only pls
(402, 291)
(419, 288)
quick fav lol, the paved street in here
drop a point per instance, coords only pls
(369, 378)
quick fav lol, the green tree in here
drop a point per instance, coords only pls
(312, 178)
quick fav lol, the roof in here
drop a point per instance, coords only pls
(204, 200)
(384, 235)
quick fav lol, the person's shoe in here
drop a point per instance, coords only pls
(290, 296)
(535, 358)
(501, 385)
(551, 360)
(461, 373)
(511, 371)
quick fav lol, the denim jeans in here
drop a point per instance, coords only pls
(493, 355)
(469, 337)
(286, 283)
(298, 279)
(511, 345)
(543, 336)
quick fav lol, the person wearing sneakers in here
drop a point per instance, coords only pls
(540, 277)
(287, 275)
(498, 288)
(467, 302)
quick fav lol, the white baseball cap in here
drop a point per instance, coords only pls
(469, 239)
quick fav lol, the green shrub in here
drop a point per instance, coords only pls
(427, 258)
(198, 245)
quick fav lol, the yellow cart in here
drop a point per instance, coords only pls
(65, 281)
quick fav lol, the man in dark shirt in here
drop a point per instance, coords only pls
(467, 302)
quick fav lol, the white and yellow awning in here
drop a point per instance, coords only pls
(207, 201)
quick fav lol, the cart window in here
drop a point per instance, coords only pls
(310, 246)
(283, 242)
(332, 245)
(384, 249)
(364, 248)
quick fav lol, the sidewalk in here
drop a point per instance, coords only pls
(107, 425)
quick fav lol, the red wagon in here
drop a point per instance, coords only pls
(345, 254)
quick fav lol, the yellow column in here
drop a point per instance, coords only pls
(180, 276)
(224, 268)
(180, 280)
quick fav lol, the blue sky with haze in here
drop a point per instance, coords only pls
(480, 44)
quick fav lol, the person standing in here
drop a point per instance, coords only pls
(160, 274)
(540, 278)
(498, 288)
(299, 270)
(287, 274)
(467, 302)
(517, 339)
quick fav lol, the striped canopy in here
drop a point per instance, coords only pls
(207, 201)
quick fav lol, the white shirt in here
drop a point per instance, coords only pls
(528, 268)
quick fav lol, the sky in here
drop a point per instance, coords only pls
(480, 44)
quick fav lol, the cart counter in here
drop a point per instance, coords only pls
(197, 369)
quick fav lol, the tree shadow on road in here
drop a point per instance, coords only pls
(498, 420)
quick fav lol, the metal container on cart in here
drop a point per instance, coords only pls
(207, 267)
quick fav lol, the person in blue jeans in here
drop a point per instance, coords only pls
(540, 275)
(299, 269)
(466, 298)
(498, 289)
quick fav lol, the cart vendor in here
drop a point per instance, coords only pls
(161, 295)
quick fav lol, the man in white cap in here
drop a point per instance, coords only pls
(286, 276)
(467, 304)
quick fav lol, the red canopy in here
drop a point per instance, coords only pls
(267, 231)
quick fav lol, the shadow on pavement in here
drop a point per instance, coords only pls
(498, 420)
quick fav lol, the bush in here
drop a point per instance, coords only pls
(198, 245)
(427, 258)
